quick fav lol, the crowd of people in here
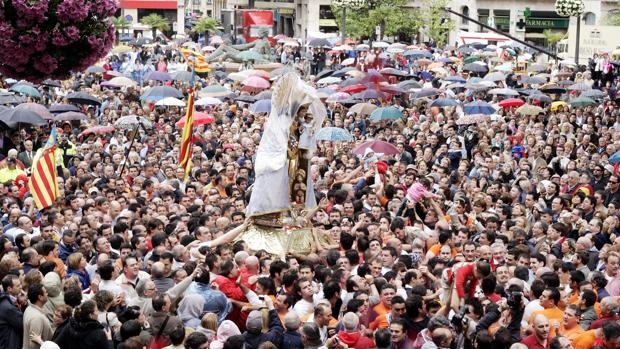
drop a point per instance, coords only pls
(513, 242)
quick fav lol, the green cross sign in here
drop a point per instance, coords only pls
(527, 12)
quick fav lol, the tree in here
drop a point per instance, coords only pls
(391, 15)
(120, 24)
(205, 26)
(434, 21)
(552, 37)
(156, 22)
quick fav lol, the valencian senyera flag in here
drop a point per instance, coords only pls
(195, 60)
(185, 152)
(43, 180)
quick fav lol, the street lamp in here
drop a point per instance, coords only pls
(572, 8)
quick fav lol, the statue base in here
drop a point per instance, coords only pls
(278, 241)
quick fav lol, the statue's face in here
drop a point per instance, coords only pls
(264, 33)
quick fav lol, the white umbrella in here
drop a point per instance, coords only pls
(237, 76)
(362, 47)
(328, 80)
(208, 101)
(343, 48)
(170, 102)
(348, 61)
(291, 43)
(380, 44)
(122, 81)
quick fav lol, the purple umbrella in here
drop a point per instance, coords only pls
(368, 94)
(338, 97)
(158, 76)
(262, 106)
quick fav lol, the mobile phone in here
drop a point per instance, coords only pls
(262, 298)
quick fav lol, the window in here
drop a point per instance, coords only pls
(589, 18)
(465, 12)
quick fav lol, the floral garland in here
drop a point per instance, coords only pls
(50, 39)
(349, 4)
(568, 8)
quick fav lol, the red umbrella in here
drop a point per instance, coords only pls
(378, 147)
(97, 130)
(374, 77)
(199, 119)
(511, 102)
(353, 88)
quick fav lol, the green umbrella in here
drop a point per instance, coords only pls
(387, 113)
(471, 59)
(582, 102)
(26, 90)
(250, 56)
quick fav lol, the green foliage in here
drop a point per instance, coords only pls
(205, 25)
(612, 18)
(391, 14)
(156, 22)
(436, 23)
(552, 37)
(120, 23)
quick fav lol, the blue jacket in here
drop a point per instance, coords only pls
(64, 251)
(254, 340)
(291, 340)
(82, 275)
(215, 301)
(11, 324)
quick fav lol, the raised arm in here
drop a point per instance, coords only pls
(228, 237)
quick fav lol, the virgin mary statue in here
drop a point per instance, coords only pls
(283, 181)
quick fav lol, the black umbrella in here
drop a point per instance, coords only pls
(70, 116)
(161, 92)
(83, 98)
(349, 82)
(427, 92)
(465, 49)
(319, 43)
(475, 67)
(63, 108)
(323, 74)
(15, 115)
(51, 83)
(263, 95)
(342, 72)
(10, 98)
(409, 84)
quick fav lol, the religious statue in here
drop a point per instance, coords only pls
(227, 51)
(283, 187)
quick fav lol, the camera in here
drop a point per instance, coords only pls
(459, 320)
(514, 299)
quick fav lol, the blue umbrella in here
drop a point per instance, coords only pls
(26, 90)
(262, 106)
(454, 78)
(386, 113)
(425, 75)
(614, 158)
(333, 134)
(479, 107)
(444, 102)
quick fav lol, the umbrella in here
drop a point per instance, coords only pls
(454, 78)
(319, 42)
(417, 53)
(122, 81)
(98, 130)
(114, 73)
(386, 113)
(250, 56)
(62, 108)
(368, 94)
(528, 109)
(363, 108)
(41, 110)
(353, 88)
(503, 92)
(582, 102)
(208, 101)
(381, 147)
(199, 119)
(472, 119)
(237, 76)
(132, 122)
(121, 49)
(540, 97)
(579, 87)
(182, 76)
(503, 68)
(329, 80)
(214, 91)
(479, 107)
(242, 98)
(362, 47)
(23, 115)
(83, 98)
(348, 61)
(533, 80)
(51, 83)
(393, 71)
(614, 159)
(380, 44)
(267, 95)
(352, 81)
(11, 98)
(444, 102)
(552, 89)
(374, 77)
(144, 41)
(593, 94)
(557, 104)
(471, 59)
(256, 82)
(338, 97)
(26, 90)
(427, 92)
(158, 76)
(170, 102)
(70, 116)
(409, 84)
(495, 76)
(536, 68)
(160, 92)
(475, 67)
(333, 134)
(323, 74)
(262, 106)
(95, 69)
(511, 102)
(423, 62)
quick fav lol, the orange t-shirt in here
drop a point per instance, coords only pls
(585, 340)
(380, 322)
(381, 309)
(436, 248)
(572, 333)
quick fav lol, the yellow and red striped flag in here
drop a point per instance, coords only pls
(43, 180)
(195, 60)
(185, 152)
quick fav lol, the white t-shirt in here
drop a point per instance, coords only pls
(303, 308)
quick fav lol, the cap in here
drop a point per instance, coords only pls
(93, 190)
(254, 322)
(547, 211)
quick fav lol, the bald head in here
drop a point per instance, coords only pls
(240, 258)
(609, 305)
(541, 327)
(292, 321)
(351, 322)
(252, 264)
